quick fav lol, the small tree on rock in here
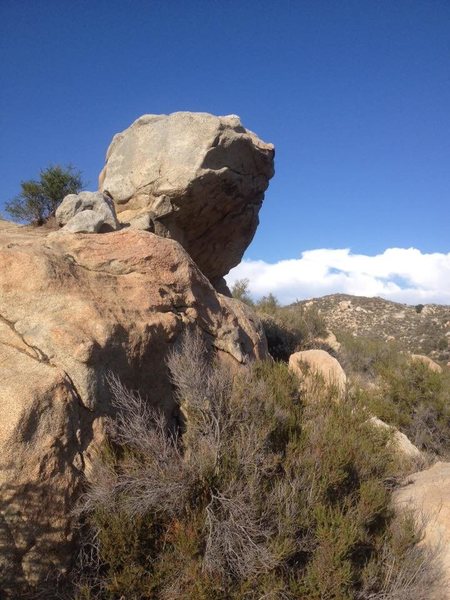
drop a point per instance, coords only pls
(38, 200)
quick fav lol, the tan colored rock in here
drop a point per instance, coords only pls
(428, 309)
(72, 309)
(428, 493)
(400, 442)
(426, 360)
(202, 179)
(308, 364)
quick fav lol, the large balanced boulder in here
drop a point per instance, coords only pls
(201, 178)
(74, 308)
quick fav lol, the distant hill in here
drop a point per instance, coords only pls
(423, 329)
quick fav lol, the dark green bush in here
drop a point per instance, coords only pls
(287, 328)
(442, 344)
(367, 357)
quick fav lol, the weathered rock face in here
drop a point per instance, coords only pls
(428, 492)
(202, 179)
(72, 309)
(308, 364)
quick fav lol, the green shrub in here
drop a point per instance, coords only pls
(268, 305)
(289, 329)
(442, 344)
(266, 494)
(38, 200)
(367, 357)
(404, 393)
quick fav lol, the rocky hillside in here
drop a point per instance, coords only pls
(421, 329)
(104, 295)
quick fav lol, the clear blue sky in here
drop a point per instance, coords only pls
(354, 94)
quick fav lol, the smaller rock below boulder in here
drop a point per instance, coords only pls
(87, 212)
(427, 361)
(309, 364)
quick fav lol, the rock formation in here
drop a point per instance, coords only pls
(201, 178)
(309, 364)
(72, 309)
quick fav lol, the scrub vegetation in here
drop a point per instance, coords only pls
(401, 392)
(262, 493)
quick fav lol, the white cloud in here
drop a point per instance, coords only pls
(399, 274)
